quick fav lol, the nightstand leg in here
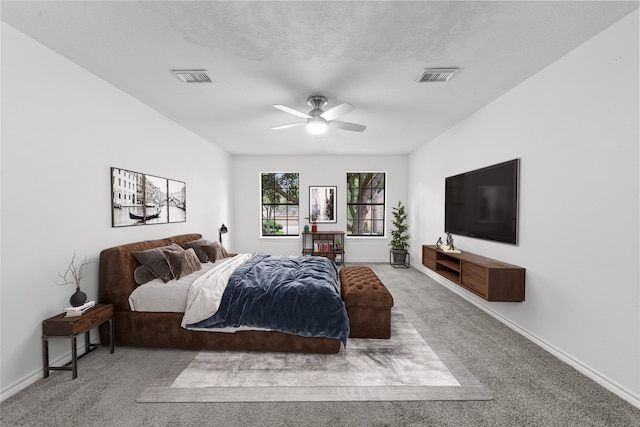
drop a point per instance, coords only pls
(87, 344)
(74, 357)
(45, 356)
(111, 333)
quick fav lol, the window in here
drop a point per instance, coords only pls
(280, 209)
(365, 203)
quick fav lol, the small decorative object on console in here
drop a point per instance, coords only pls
(439, 243)
(449, 247)
(80, 310)
(77, 273)
(312, 218)
(450, 241)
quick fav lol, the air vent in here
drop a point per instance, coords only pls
(193, 76)
(433, 75)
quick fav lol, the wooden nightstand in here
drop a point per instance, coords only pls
(60, 326)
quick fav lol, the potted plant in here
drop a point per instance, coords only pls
(77, 273)
(399, 237)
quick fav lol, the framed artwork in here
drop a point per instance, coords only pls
(140, 199)
(322, 203)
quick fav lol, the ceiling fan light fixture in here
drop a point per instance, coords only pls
(318, 120)
(317, 126)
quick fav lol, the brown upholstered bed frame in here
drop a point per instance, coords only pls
(163, 330)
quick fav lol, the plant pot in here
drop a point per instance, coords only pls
(399, 256)
(78, 298)
(314, 227)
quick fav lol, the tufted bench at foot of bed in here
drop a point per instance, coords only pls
(368, 302)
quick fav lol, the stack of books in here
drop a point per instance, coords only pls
(323, 246)
(80, 310)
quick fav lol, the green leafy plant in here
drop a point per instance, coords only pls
(271, 226)
(399, 236)
(312, 217)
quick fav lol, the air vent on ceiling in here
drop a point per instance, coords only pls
(193, 76)
(431, 75)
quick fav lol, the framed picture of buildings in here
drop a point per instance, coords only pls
(177, 201)
(139, 199)
(322, 203)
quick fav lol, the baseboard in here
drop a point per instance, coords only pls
(366, 261)
(36, 375)
(596, 376)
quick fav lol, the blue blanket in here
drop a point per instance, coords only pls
(297, 295)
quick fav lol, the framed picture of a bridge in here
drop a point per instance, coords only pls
(177, 201)
(139, 199)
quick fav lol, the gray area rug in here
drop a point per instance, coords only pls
(402, 368)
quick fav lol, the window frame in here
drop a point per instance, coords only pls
(383, 204)
(289, 205)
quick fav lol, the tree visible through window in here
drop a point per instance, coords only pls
(365, 203)
(280, 208)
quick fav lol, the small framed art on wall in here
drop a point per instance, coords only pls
(322, 203)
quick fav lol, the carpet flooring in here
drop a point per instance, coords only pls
(530, 387)
(402, 368)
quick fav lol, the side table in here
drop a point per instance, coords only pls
(61, 326)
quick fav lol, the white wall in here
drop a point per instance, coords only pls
(575, 127)
(62, 129)
(314, 170)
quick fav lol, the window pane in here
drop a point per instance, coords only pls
(377, 212)
(366, 195)
(377, 227)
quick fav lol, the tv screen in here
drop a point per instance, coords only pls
(484, 203)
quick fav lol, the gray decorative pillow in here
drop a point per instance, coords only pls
(222, 249)
(142, 275)
(182, 263)
(155, 261)
(197, 245)
(215, 251)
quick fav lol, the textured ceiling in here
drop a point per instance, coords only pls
(263, 53)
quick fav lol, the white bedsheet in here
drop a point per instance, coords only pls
(171, 297)
(205, 293)
(157, 296)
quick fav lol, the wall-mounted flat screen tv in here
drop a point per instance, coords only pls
(484, 203)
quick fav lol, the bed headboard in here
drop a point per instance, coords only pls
(115, 277)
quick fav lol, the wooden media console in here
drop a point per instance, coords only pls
(490, 279)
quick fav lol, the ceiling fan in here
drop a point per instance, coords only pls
(319, 120)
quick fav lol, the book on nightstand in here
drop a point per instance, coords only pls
(80, 310)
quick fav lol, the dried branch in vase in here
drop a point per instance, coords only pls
(77, 272)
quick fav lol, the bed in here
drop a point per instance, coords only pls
(170, 329)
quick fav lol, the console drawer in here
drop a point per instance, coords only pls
(474, 277)
(429, 258)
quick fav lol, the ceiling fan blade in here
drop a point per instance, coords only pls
(347, 126)
(292, 111)
(337, 111)
(291, 125)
